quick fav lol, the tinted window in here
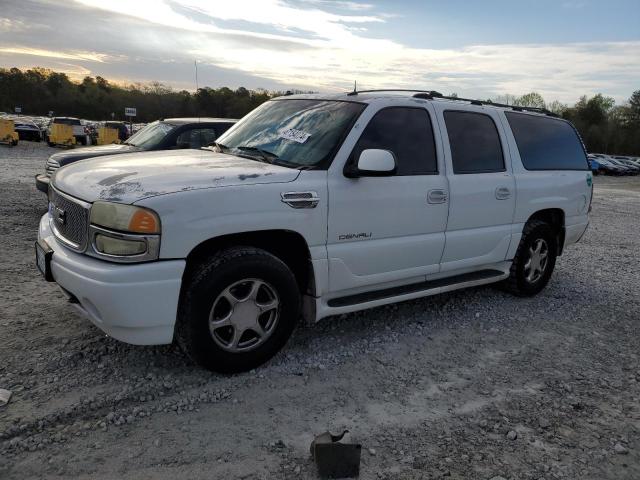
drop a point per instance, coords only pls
(547, 143)
(475, 143)
(196, 138)
(406, 132)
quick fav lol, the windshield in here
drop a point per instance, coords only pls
(294, 133)
(150, 136)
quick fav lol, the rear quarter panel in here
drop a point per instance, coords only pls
(568, 190)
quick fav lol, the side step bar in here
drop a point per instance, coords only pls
(414, 287)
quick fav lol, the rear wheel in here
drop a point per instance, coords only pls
(237, 310)
(534, 261)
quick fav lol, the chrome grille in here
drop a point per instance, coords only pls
(69, 219)
(50, 167)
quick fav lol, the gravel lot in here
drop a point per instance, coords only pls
(472, 384)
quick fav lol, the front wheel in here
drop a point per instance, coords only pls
(237, 310)
(534, 261)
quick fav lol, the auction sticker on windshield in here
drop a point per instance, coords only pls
(294, 135)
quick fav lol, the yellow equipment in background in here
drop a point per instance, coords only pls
(62, 134)
(8, 133)
(107, 136)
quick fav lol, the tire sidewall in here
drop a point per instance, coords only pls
(206, 287)
(538, 232)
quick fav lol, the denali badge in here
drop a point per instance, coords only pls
(59, 215)
(354, 236)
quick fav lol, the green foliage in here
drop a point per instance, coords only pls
(604, 127)
(532, 99)
(40, 90)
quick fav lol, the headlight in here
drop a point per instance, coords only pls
(124, 233)
(125, 218)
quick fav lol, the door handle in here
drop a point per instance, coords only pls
(502, 193)
(436, 196)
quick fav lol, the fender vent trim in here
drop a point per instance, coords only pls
(300, 199)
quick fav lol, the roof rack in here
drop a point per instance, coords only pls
(432, 94)
(429, 93)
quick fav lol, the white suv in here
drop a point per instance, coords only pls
(311, 206)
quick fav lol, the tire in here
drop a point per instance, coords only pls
(537, 235)
(209, 310)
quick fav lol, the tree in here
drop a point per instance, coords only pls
(532, 99)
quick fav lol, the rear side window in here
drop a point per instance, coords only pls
(475, 143)
(547, 143)
(407, 132)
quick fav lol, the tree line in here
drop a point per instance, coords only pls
(604, 126)
(38, 91)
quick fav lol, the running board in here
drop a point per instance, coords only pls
(415, 287)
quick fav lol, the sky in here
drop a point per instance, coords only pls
(477, 48)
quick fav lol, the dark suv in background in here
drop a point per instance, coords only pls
(172, 133)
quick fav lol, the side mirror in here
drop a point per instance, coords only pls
(373, 162)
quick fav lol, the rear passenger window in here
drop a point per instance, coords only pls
(547, 143)
(407, 132)
(475, 143)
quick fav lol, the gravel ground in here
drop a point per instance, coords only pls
(472, 384)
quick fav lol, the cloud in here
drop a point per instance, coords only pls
(317, 45)
(70, 55)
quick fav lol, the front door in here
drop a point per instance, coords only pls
(389, 230)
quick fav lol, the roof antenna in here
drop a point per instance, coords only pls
(355, 88)
(195, 64)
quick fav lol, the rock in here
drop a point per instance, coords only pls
(372, 452)
(512, 435)
(620, 449)
(544, 422)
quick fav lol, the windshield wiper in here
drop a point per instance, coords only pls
(266, 155)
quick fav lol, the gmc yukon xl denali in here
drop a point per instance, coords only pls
(311, 206)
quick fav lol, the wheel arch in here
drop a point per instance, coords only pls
(287, 245)
(555, 217)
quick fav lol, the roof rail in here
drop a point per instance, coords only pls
(424, 93)
(432, 94)
(516, 108)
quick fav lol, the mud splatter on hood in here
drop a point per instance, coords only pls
(128, 178)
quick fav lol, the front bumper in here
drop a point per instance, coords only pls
(42, 183)
(136, 303)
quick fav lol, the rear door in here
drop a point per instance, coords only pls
(482, 187)
(389, 229)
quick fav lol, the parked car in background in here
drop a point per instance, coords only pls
(27, 129)
(629, 163)
(627, 169)
(608, 168)
(79, 132)
(313, 206)
(169, 134)
(594, 165)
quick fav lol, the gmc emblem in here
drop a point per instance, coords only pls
(59, 215)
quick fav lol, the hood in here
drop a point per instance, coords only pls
(129, 178)
(70, 156)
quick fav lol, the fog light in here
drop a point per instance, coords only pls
(116, 246)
